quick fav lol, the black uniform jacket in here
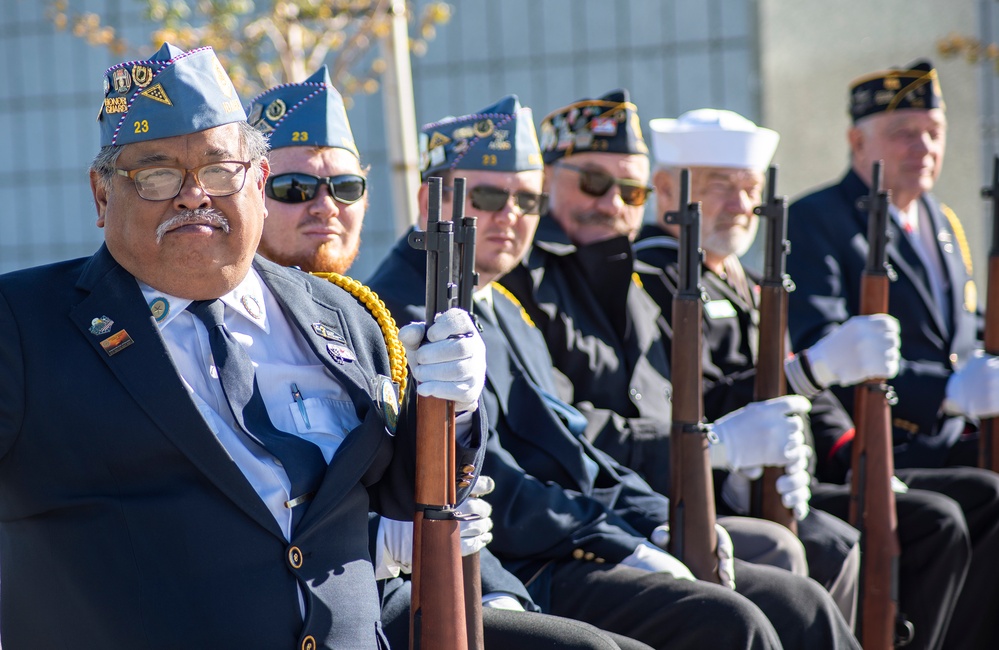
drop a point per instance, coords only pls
(124, 522)
(828, 234)
(557, 498)
(607, 336)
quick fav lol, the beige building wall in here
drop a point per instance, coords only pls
(809, 52)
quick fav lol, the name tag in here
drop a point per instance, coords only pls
(719, 309)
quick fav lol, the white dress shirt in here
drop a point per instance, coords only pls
(281, 357)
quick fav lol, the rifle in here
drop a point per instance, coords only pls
(765, 500)
(693, 539)
(988, 442)
(872, 502)
(437, 590)
(467, 280)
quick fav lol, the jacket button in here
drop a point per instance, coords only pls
(295, 560)
(589, 556)
(578, 554)
(309, 643)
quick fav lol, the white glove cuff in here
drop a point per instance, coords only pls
(799, 376)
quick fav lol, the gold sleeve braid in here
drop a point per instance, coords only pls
(390, 331)
(960, 236)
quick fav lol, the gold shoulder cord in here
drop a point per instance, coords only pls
(962, 239)
(499, 288)
(390, 331)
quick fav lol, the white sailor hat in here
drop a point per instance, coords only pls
(707, 137)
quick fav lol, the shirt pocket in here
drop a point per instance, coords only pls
(323, 421)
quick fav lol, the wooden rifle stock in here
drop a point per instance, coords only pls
(765, 500)
(988, 443)
(437, 590)
(693, 539)
(872, 501)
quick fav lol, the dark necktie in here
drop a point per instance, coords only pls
(302, 460)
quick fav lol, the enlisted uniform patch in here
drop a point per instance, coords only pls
(101, 325)
(116, 342)
(340, 354)
(159, 307)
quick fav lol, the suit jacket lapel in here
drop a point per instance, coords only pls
(953, 265)
(303, 308)
(145, 370)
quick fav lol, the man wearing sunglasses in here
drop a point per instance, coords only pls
(585, 533)
(193, 434)
(316, 202)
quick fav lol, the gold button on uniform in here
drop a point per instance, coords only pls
(295, 559)
(589, 556)
(578, 554)
(309, 643)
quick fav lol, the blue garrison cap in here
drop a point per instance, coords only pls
(310, 113)
(608, 124)
(500, 138)
(173, 93)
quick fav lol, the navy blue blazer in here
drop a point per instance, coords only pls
(124, 522)
(828, 235)
(548, 506)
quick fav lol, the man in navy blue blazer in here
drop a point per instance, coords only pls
(945, 381)
(191, 437)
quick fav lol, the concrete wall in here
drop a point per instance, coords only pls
(810, 50)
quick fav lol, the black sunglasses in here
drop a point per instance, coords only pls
(296, 187)
(596, 182)
(490, 198)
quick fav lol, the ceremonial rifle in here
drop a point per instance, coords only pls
(988, 442)
(872, 502)
(693, 539)
(467, 279)
(437, 589)
(765, 501)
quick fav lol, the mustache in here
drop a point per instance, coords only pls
(209, 216)
(595, 218)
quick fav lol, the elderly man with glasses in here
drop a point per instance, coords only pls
(191, 437)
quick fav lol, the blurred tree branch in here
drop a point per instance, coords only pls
(269, 42)
(969, 48)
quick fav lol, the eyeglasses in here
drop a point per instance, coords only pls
(296, 187)
(596, 183)
(162, 183)
(490, 198)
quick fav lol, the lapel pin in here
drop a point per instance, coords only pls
(101, 325)
(159, 308)
(116, 342)
(340, 354)
(252, 307)
(328, 332)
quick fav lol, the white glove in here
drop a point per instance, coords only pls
(396, 537)
(973, 390)
(793, 487)
(451, 365)
(475, 534)
(862, 348)
(655, 560)
(761, 433)
(725, 553)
